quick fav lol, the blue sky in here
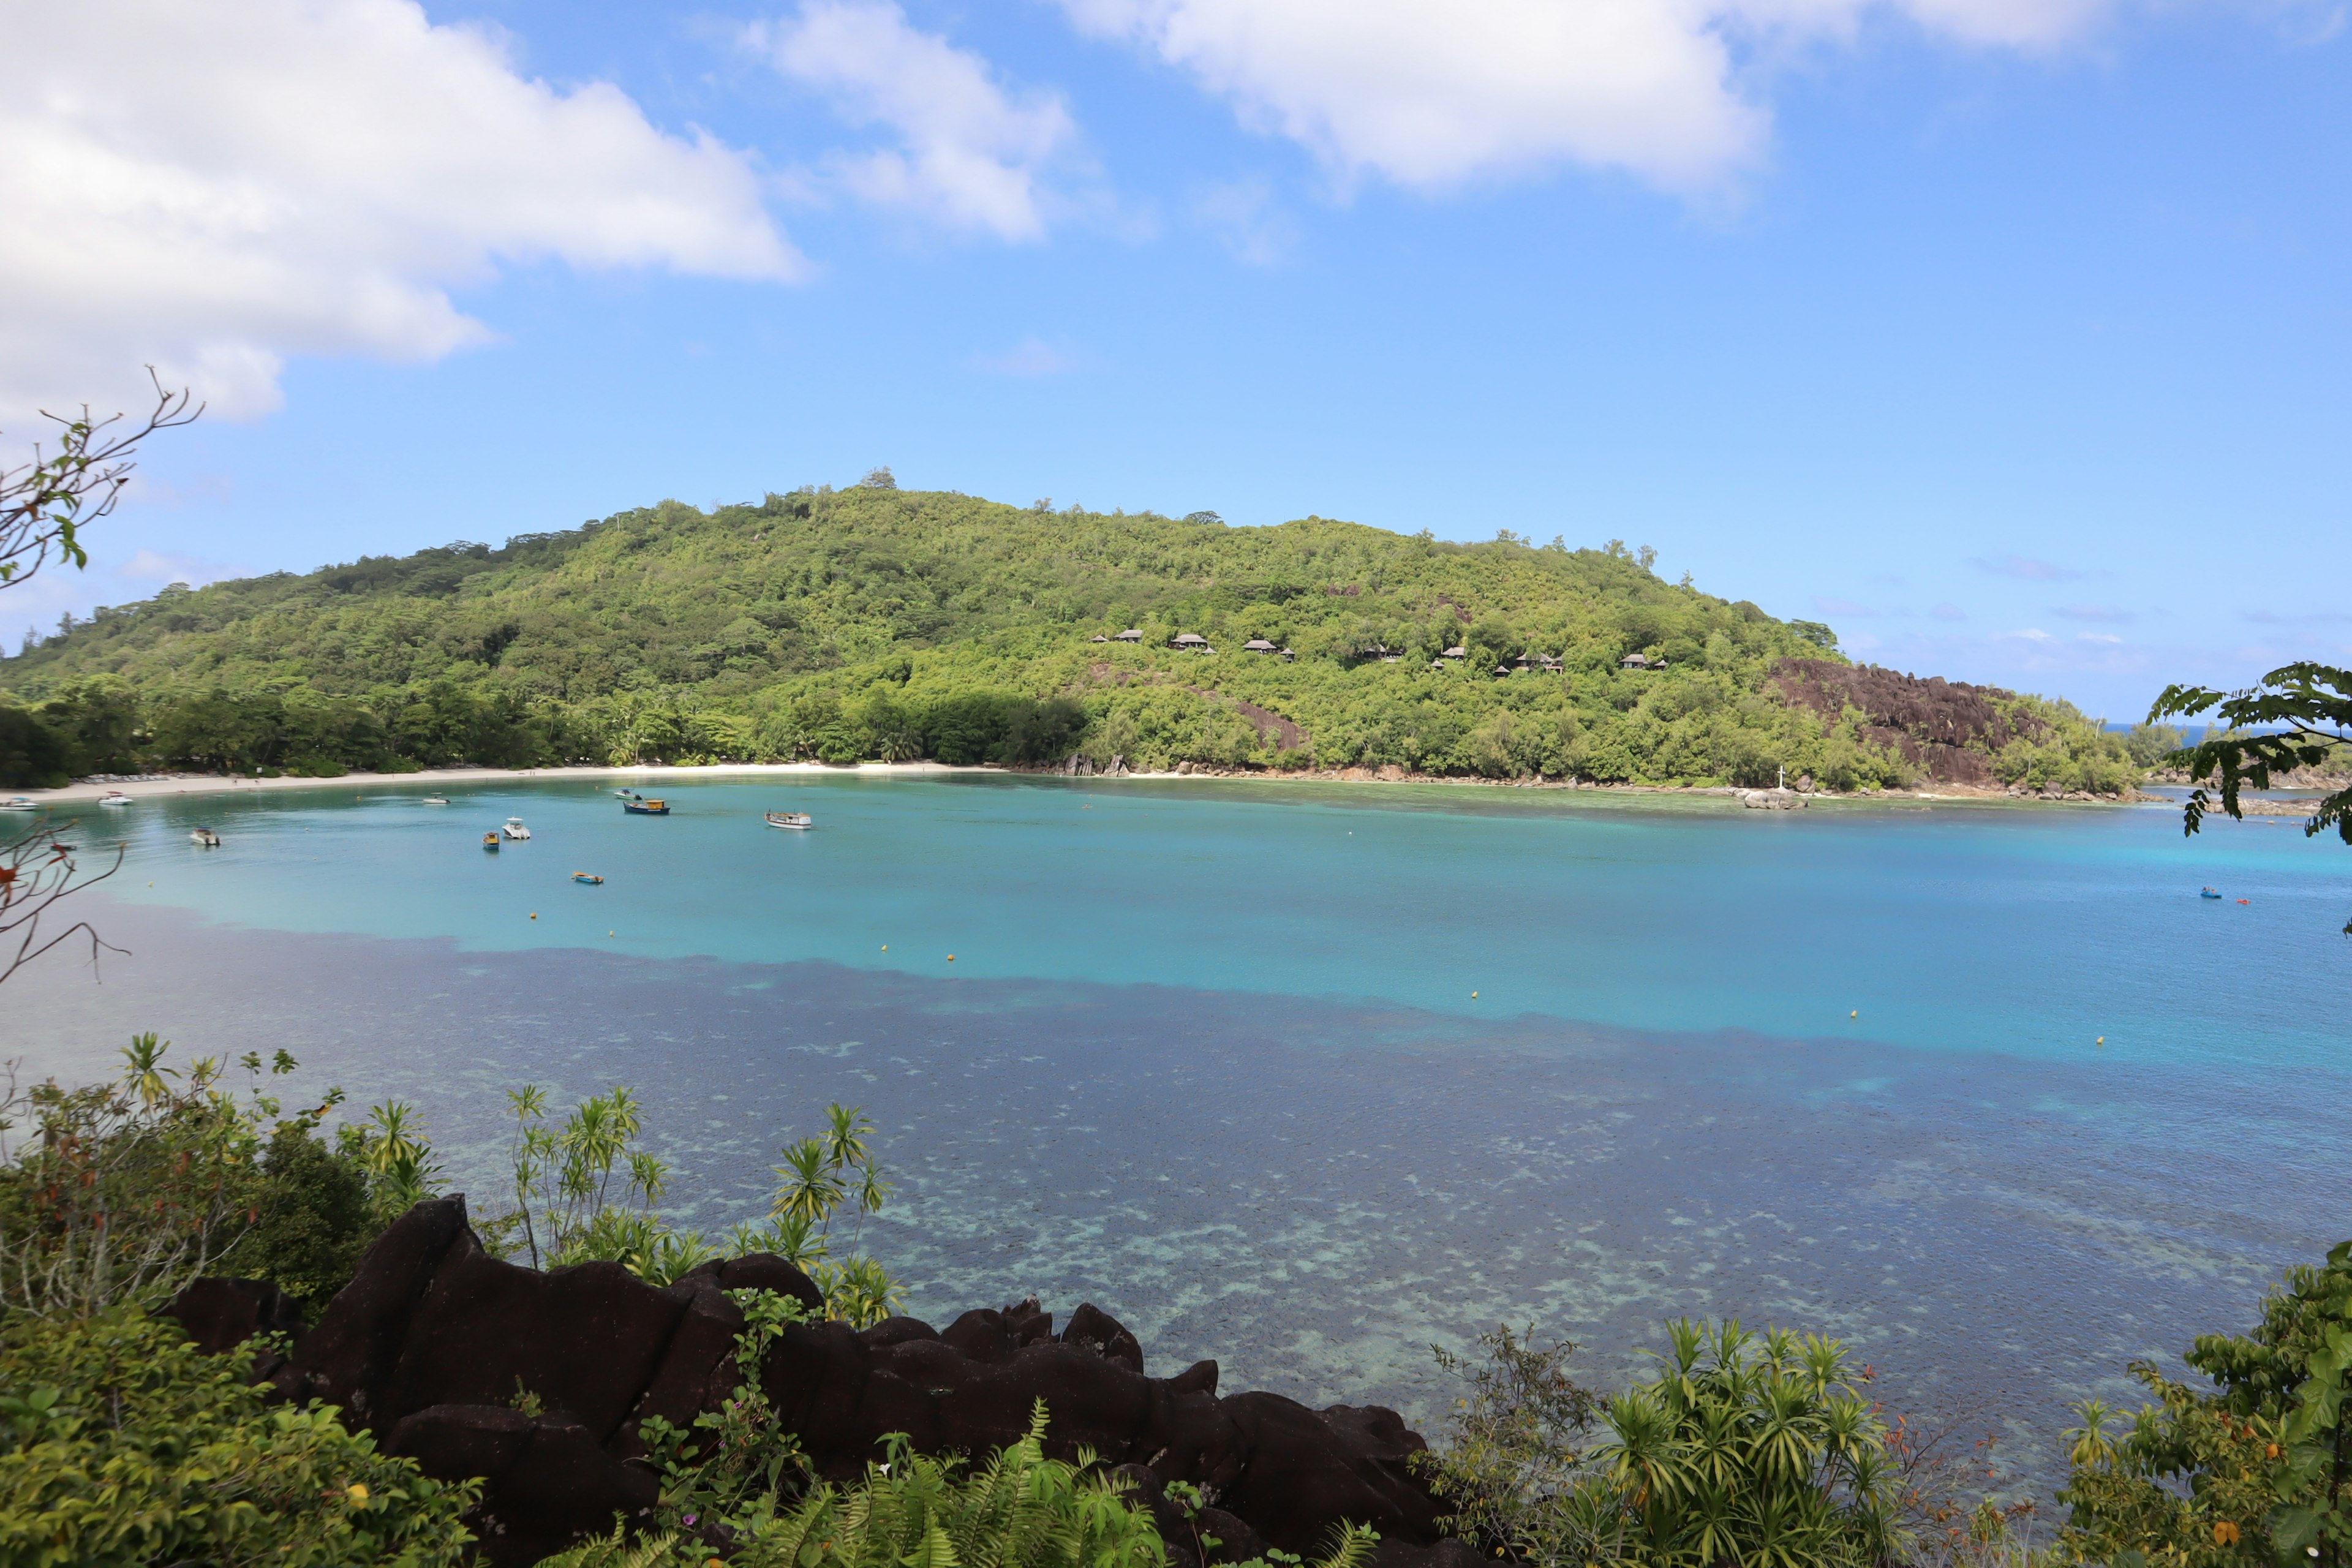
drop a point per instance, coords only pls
(2011, 338)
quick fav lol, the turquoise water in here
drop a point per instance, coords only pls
(2027, 931)
(1208, 1054)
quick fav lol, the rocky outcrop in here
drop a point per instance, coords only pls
(1949, 729)
(540, 1382)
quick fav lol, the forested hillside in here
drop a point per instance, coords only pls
(877, 623)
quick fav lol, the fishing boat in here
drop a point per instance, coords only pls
(437, 800)
(795, 819)
(2210, 893)
(19, 802)
(490, 842)
(114, 797)
(206, 837)
(515, 829)
(646, 807)
(590, 878)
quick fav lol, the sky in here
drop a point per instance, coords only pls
(2012, 338)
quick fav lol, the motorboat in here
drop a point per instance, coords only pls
(2208, 893)
(437, 800)
(629, 795)
(646, 807)
(515, 829)
(204, 837)
(20, 802)
(114, 797)
(799, 820)
(490, 842)
(588, 877)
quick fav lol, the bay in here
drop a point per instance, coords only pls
(1208, 1055)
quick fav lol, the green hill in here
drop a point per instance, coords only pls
(876, 622)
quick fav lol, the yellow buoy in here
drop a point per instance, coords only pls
(951, 958)
(1855, 1014)
(1474, 995)
(534, 914)
(2102, 1040)
(886, 947)
(608, 933)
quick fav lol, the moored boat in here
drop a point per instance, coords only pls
(19, 802)
(515, 829)
(437, 800)
(590, 878)
(206, 837)
(2210, 893)
(646, 807)
(795, 820)
(114, 797)
(490, 842)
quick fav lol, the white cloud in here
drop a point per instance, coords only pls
(1431, 93)
(216, 184)
(970, 154)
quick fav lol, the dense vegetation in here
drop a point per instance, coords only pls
(878, 624)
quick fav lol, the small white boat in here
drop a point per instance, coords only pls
(515, 829)
(799, 820)
(206, 837)
(19, 802)
(437, 800)
(114, 797)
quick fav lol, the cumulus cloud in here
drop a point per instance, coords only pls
(1431, 93)
(969, 153)
(213, 185)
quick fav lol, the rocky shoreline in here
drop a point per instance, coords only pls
(539, 1382)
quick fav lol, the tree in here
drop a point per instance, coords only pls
(2298, 716)
(45, 503)
(1205, 519)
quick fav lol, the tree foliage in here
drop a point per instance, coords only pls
(879, 623)
(2257, 1468)
(121, 1445)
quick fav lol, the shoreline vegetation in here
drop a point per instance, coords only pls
(157, 786)
(875, 624)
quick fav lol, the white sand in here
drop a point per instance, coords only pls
(219, 783)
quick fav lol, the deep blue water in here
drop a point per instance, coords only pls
(1209, 1055)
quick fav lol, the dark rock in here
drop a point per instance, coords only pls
(981, 1335)
(363, 1331)
(435, 1343)
(548, 1482)
(585, 1340)
(1207, 1535)
(221, 1314)
(1098, 1332)
(897, 1331)
(1304, 1471)
(753, 1271)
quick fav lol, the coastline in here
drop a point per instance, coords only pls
(157, 785)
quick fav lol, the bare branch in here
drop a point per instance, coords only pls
(45, 503)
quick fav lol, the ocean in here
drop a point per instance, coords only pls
(1309, 1077)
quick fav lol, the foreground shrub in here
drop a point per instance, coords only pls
(121, 1443)
(2258, 1469)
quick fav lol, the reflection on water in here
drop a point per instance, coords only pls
(1313, 1192)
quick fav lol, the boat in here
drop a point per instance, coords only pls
(437, 800)
(590, 878)
(20, 802)
(797, 819)
(515, 829)
(646, 807)
(206, 837)
(629, 795)
(490, 842)
(2210, 893)
(114, 797)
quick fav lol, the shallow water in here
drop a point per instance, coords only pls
(1208, 1055)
